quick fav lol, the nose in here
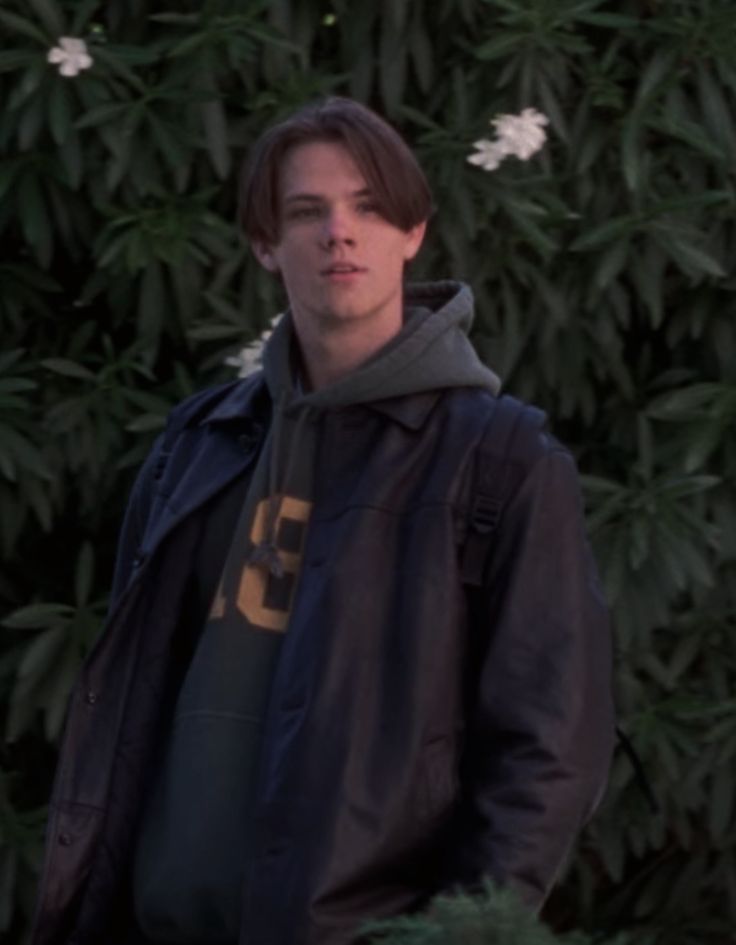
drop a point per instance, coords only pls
(338, 229)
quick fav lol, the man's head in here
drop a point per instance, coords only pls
(387, 164)
(335, 202)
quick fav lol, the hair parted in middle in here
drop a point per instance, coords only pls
(391, 171)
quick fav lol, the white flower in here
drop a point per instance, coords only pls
(490, 154)
(248, 359)
(522, 134)
(517, 135)
(70, 55)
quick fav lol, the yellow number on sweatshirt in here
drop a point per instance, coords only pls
(254, 581)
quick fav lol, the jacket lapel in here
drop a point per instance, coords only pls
(205, 458)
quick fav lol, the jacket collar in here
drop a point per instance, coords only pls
(240, 403)
(410, 411)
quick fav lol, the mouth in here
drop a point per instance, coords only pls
(342, 270)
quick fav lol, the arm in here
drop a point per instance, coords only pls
(542, 724)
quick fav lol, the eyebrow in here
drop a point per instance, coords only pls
(356, 194)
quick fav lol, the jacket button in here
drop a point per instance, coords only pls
(138, 561)
(65, 839)
(249, 440)
(91, 698)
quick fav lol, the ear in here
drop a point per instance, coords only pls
(414, 240)
(265, 255)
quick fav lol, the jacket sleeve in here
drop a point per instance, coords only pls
(541, 729)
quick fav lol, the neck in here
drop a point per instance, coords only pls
(330, 354)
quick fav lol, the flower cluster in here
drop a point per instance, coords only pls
(70, 56)
(248, 359)
(516, 136)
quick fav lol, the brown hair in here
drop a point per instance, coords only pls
(391, 171)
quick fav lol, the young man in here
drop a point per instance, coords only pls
(301, 714)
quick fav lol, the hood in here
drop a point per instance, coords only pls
(431, 352)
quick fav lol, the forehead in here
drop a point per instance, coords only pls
(319, 168)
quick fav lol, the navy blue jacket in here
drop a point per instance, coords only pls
(420, 735)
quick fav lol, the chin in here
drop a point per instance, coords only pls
(341, 315)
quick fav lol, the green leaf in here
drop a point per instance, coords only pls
(216, 136)
(82, 12)
(611, 264)
(50, 15)
(686, 402)
(615, 21)
(535, 236)
(604, 233)
(166, 141)
(59, 111)
(151, 304)
(10, 385)
(422, 56)
(102, 114)
(116, 59)
(8, 174)
(692, 259)
(659, 68)
(68, 368)
(31, 123)
(8, 874)
(392, 59)
(72, 159)
(37, 496)
(19, 24)
(721, 810)
(500, 46)
(11, 59)
(84, 574)
(146, 423)
(720, 118)
(42, 653)
(691, 134)
(33, 218)
(177, 19)
(703, 443)
(37, 616)
(57, 693)
(631, 163)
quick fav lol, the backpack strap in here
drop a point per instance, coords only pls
(508, 442)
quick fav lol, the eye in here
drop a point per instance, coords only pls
(306, 212)
(368, 207)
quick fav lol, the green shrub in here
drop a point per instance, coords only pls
(490, 917)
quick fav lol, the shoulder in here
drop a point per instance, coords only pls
(504, 426)
(234, 400)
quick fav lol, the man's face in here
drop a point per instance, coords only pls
(339, 258)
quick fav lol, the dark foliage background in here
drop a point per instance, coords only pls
(606, 287)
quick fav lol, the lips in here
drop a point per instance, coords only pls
(342, 269)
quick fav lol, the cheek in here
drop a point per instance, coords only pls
(293, 266)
